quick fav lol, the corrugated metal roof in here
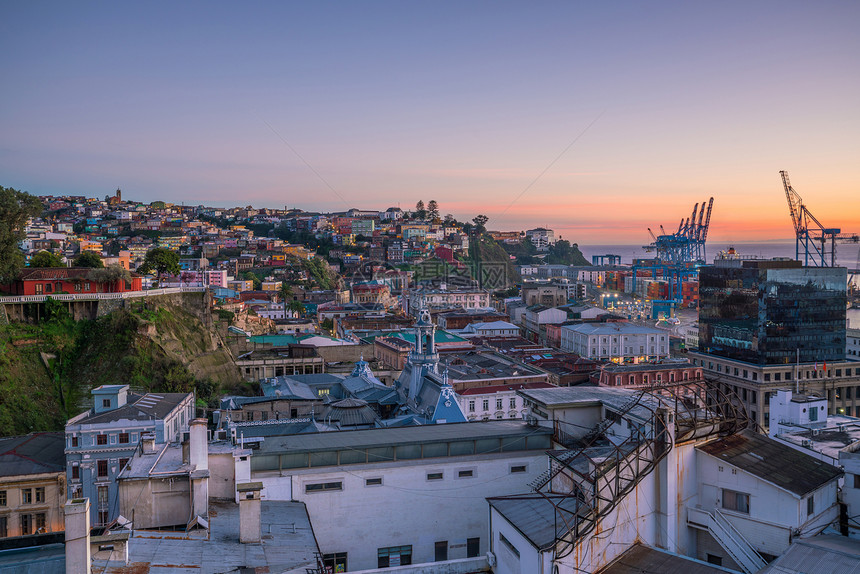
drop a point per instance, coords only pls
(535, 517)
(829, 554)
(639, 559)
(772, 461)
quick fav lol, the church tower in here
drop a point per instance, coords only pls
(423, 358)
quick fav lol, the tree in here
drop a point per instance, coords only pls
(480, 223)
(88, 259)
(161, 260)
(286, 291)
(433, 210)
(420, 210)
(250, 275)
(46, 259)
(16, 207)
(296, 307)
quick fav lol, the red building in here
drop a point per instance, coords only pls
(72, 280)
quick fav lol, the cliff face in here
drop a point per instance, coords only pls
(162, 344)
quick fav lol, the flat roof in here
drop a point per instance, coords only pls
(384, 437)
(641, 559)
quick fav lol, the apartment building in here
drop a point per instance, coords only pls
(100, 441)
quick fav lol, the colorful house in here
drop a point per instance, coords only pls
(73, 280)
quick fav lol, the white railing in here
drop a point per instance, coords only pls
(99, 296)
(732, 541)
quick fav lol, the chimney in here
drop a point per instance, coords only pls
(241, 467)
(199, 455)
(249, 511)
(77, 519)
(147, 443)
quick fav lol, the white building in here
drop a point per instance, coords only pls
(618, 342)
(686, 481)
(417, 299)
(491, 329)
(409, 495)
(541, 238)
(496, 401)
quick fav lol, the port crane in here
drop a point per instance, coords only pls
(817, 242)
(678, 254)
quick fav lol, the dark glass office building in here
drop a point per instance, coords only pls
(765, 312)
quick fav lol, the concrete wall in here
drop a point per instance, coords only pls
(222, 482)
(407, 509)
(851, 489)
(156, 503)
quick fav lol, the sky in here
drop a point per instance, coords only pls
(596, 119)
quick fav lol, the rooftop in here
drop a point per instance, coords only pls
(534, 516)
(641, 559)
(288, 543)
(772, 461)
(150, 406)
(383, 437)
(35, 453)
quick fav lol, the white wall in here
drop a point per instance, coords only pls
(507, 562)
(773, 512)
(406, 509)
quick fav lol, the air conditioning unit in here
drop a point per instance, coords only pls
(491, 559)
(806, 442)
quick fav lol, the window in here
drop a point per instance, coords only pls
(123, 438)
(715, 560)
(40, 522)
(74, 442)
(394, 556)
(513, 402)
(101, 439)
(87, 287)
(3, 495)
(77, 287)
(106, 403)
(472, 406)
(40, 494)
(473, 547)
(323, 486)
(737, 501)
(465, 474)
(26, 525)
(335, 562)
(856, 484)
(434, 476)
(122, 463)
(486, 404)
(76, 472)
(810, 506)
(39, 289)
(518, 468)
(102, 468)
(373, 482)
(26, 496)
(507, 544)
(4, 529)
(441, 553)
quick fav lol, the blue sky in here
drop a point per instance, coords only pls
(632, 112)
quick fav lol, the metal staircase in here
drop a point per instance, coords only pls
(728, 537)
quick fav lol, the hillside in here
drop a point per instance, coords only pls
(166, 344)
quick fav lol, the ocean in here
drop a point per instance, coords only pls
(847, 255)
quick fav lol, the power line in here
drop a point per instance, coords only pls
(553, 162)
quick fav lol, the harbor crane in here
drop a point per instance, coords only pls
(817, 242)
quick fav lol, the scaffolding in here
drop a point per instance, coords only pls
(589, 476)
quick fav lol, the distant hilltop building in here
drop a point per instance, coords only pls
(541, 238)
